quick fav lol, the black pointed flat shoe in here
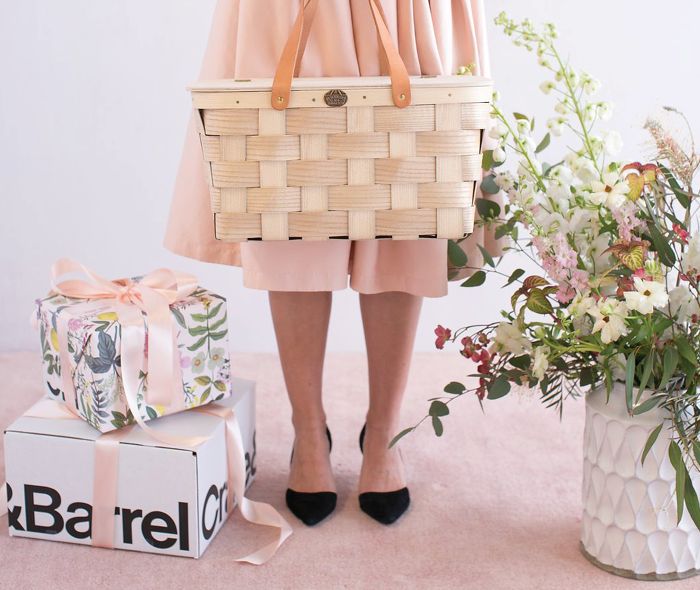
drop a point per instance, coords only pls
(312, 507)
(384, 507)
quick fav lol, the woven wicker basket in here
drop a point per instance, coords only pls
(340, 159)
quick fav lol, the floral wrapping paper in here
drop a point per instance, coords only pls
(94, 343)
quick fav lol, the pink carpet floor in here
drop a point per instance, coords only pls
(495, 500)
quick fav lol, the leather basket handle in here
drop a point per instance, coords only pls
(292, 53)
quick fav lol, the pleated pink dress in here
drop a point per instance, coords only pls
(246, 40)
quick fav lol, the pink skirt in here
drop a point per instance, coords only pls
(246, 40)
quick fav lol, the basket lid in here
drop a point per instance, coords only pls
(265, 84)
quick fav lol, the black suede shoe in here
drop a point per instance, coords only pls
(312, 507)
(384, 507)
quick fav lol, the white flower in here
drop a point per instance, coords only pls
(508, 338)
(540, 362)
(523, 126)
(562, 108)
(499, 155)
(556, 125)
(525, 170)
(682, 303)
(612, 192)
(648, 295)
(547, 86)
(609, 315)
(583, 169)
(691, 258)
(612, 141)
(504, 181)
(605, 110)
(590, 85)
(580, 305)
(498, 130)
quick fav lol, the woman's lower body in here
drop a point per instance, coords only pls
(434, 37)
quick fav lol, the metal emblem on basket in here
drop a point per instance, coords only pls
(335, 98)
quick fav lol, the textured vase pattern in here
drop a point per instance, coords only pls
(629, 509)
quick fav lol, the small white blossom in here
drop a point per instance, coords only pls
(547, 87)
(540, 362)
(648, 295)
(691, 258)
(605, 110)
(580, 305)
(562, 108)
(508, 338)
(499, 155)
(523, 126)
(612, 192)
(613, 143)
(590, 85)
(556, 125)
(609, 315)
(504, 181)
(498, 131)
(682, 303)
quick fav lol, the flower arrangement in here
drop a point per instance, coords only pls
(616, 293)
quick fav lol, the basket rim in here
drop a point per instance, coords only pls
(265, 84)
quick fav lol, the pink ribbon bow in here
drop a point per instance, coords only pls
(142, 307)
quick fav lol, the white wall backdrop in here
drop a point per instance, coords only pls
(93, 110)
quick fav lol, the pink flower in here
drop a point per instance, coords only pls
(185, 362)
(443, 335)
(627, 220)
(681, 233)
(74, 324)
(565, 293)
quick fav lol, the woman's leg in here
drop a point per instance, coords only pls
(301, 326)
(390, 321)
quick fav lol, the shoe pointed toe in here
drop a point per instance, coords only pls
(311, 507)
(385, 507)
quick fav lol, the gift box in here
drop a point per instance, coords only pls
(158, 497)
(87, 333)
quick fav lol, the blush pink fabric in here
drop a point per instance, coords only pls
(246, 40)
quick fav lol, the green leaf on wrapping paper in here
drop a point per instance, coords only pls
(477, 279)
(202, 380)
(438, 408)
(152, 414)
(214, 310)
(488, 185)
(197, 344)
(487, 209)
(455, 254)
(400, 435)
(650, 441)
(437, 426)
(218, 335)
(488, 259)
(220, 385)
(218, 323)
(498, 388)
(454, 388)
(205, 395)
(107, 351)
(179, 318)
(198, 331)
(544, 144)
(199, 317)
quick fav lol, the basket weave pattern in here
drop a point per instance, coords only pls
(357, 172)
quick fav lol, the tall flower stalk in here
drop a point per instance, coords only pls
(617, 293)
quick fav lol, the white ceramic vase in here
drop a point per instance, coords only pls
(629, 510)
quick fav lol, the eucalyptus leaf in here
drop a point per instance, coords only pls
(437, 426)
(651, 440)
(476, 280)
(487, 160)
(455, 388)
(498, 388)
(455, 254)
(488, 259)
(546, 140)
(515, 275)
(438, 408)
(487, 209)
(400, 435)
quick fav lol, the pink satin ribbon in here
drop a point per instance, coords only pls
(106, 474)
(142, 307)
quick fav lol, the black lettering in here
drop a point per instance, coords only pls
(13, 513)
(149, 527)
(72, 523)
(33, 508)
(184, 518)
(128, 517)
(212, 492)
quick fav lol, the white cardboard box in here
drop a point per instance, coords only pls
(170, 500)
